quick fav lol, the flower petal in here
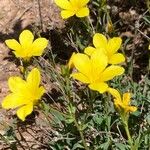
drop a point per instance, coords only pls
(89, 50)
(67, 13)
(26, 38)
(16, 84)
(82, 63)
(83, 2)
(70, 63)
(13, 44)
(80, 77)
(100, 87)
(24, 111)
(113, 45)
(83, 12)
(131, 109)
(99, 62)
(34, 78)
(12, 101)
(126, 98)
(38, 46)
(114, 93)
(64, 4)
(116, 58)
(100, 41)
(110, 72)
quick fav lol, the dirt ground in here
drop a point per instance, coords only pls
(16, 15)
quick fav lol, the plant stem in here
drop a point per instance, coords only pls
(125, 123)
(81, 134)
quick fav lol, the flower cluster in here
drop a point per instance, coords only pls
(25, 93)
(93, 66)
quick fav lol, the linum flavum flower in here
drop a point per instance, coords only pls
(109, 47)
(122, 104)
(93, 70)
(26, 47)
(24, 94)
(73, 7)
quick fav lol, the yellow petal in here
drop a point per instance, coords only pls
(13, 44)
(114, 93)
(113, 45)
(83, 2)
(116, 58)
(100, 41)
(64, 4)
(16, 84)
(13, 101)
(82, 63)
(80, 77)
(34, 78)
(99, 62)
(26, 38)
(24, 111)
(100, 87)
(38, 46)
(41, 90)
(83, 12)
(89, 50)
(126, 98)
(110, 72)
(67, 13)
(70, 63)
(132, 108)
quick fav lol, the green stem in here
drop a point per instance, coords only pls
(128, 134)
(81, 134)
(125, 123)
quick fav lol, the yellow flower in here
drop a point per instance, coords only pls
(109, 47)
(27, 47)
(73, 7)
(24, 94)
(122, 104)
(149, 47)
(70, 63)
(94, 71)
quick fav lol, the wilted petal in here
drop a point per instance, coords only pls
(24, 111)
(38, 46)
(80, 77)
(100, 87)
(126, 98)
(131, 109)
(110, 72)
(83, 12)
(100, 41)
(67, 13)
(114, 93)
(113, 45)
(116, 58)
